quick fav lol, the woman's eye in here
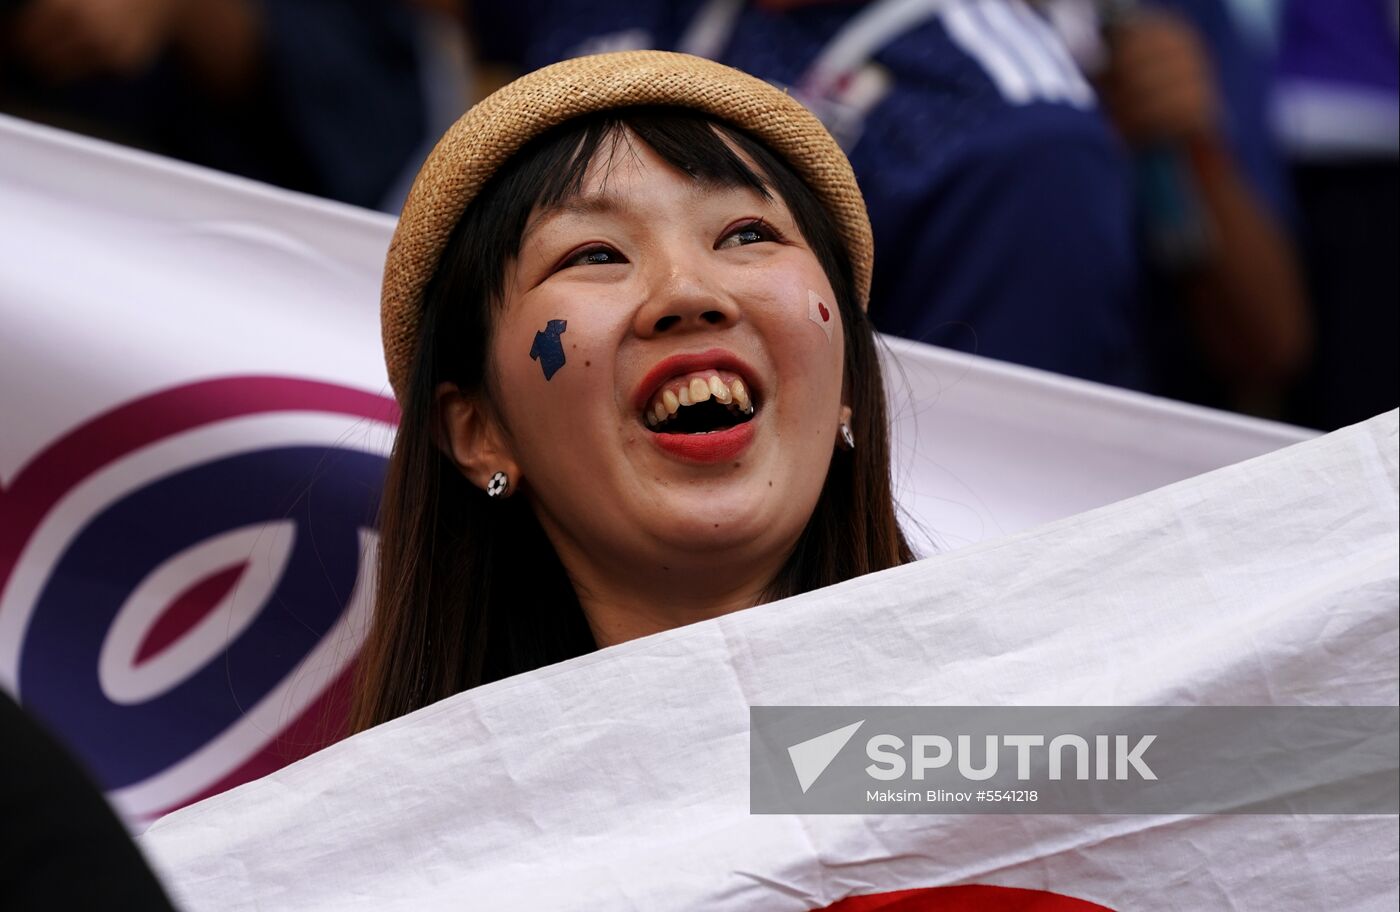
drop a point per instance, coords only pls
(751, 233)
(594, 256)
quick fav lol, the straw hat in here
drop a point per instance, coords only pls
(496, 128)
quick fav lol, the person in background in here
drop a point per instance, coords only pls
(322, 96)
(999, 196)
(1230, 325)
(1337, 113)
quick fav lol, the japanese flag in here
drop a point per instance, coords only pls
(619, 780)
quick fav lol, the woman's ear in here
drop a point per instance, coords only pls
(472, 437)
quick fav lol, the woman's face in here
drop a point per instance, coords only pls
(643, 322)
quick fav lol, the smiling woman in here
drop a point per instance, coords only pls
(624, 318)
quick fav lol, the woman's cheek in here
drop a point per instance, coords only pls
(822, 313)
(559, 369)
(808, 328)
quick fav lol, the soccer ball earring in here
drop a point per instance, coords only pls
(498, 485)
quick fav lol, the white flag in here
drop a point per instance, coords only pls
(619, 780)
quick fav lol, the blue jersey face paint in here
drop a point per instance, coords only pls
(548, 350)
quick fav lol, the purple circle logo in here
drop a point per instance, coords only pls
(185, 580)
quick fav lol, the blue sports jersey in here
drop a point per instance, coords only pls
(999, 198)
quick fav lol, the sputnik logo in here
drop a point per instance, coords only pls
(810, 758)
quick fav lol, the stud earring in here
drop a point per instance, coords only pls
(848, 440)
(498, 484)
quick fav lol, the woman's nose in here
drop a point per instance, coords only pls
(682, 298)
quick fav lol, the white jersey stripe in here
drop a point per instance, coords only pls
(710, 30)
(864, 35)
(968, 33)
(1079, 91)
(1025, 48)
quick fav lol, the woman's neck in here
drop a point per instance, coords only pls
(616, 617)
(630, 599)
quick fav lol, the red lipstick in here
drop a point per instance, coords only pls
(716, 446)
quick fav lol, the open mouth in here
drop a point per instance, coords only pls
(703, 402)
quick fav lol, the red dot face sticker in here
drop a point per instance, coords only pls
(819, 313)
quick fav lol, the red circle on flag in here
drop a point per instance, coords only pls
(964, 898)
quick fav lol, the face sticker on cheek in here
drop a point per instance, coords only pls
(548, 349)
(819, 313)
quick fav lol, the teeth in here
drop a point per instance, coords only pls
(741, 396)
(734, 394)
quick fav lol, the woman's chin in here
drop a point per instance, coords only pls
(719, 518)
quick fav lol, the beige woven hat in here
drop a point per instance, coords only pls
(496, 128)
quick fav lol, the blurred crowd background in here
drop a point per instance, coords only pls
(1194, 198)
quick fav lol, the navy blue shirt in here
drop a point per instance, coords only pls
(999, 197)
